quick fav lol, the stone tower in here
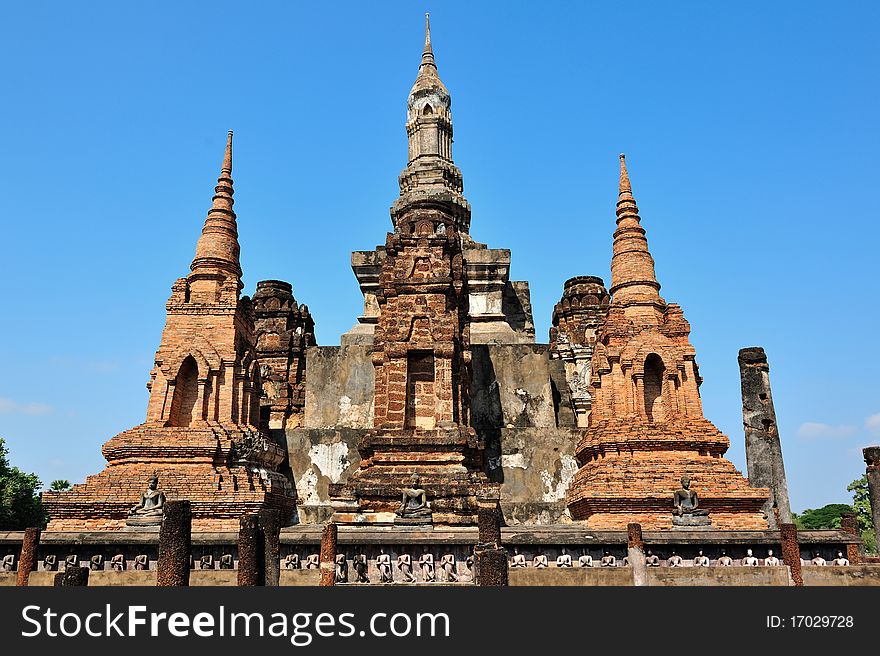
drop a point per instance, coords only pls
(201, 434)
(283, 331)
(576, 320)
(646, 428)
(763, 448)
(421, 342)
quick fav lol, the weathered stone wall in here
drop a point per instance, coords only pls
(528, 425)
(538, 466)
(339, 387)
(521, 374)
(319, 457)
(863, 575)
(843, 576)
(738, 576)
(514, 406)
(594, 576)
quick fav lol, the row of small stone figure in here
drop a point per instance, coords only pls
(426, 563)
(447, 567)
(652, 560)
(117, 563)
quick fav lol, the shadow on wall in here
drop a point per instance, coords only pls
(487, 416)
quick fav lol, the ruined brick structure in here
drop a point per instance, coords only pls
(646, 427)
(576, 320)
(567, 443)
(283, 331)
(421, 341)
(201, 436)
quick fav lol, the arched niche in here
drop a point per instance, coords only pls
(186, 393)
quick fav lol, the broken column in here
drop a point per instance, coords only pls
(72, 576)
(27, 561)
(791, 552)
(175, 542)
(489, 520)
(763, 448)
(250, 547)
(872, 473)
(849, 523)
(270, 527)
(329, 536)
(635, 554)
(490, 558)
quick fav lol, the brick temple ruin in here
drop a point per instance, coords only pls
(441, 377)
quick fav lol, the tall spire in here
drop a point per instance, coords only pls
(227, 156)
(625, 185)
(428, 50)
(428, 65)
(633, 281)
(429, 76)
(430, 170)
(217, 251)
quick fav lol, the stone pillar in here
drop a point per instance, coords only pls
(490, 566)
(490, 558)
(635, 553)
(763, 448)
(270, 526)
(489, 519)
(872, 473)
(27, 560)
(791, 552)
(250, 548)
(175, 542)
(329, 536)
(849, 523)
(72, 576)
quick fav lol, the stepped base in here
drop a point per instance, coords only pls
(223, 472)
(447, 461)
(631, 469)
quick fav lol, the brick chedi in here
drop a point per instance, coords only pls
(420, 350)
(577, 318)
(283, 331)
(201, 435)
(646, 428)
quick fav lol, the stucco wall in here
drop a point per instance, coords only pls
(339, 387)
(319, 457)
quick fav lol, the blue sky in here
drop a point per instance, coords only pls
(750, 131)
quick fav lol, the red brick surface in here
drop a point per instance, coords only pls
(201, 435)
(646, 428)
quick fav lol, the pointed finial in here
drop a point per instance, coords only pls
(227, 156)
(428, 53)
(218, 248)
(428, 32)
(625, 186)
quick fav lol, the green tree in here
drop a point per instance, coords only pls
(20, 505)
(862, 508)
(60, 485)
(826, 517)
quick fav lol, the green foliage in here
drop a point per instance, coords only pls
(826, 517)
(60, 485)
(861, 501)
(20, 505)
(862, 508)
